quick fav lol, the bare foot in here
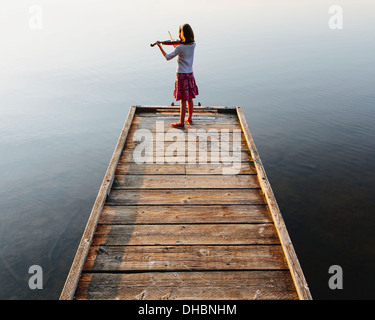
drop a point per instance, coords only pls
(178, 125)
(189, 121)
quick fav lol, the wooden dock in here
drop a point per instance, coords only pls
(192, 216)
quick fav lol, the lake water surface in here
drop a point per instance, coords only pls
(307, 92)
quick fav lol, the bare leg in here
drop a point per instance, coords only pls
(182, 111)
(190, 111)
(182, 115)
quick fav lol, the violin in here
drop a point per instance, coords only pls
(167, 42)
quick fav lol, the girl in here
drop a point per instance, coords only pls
(185, 86)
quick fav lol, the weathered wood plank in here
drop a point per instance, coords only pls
(202, 124)
(184, 197)
(184, 181)
(187, 234)
(186, 152)
(244, 167)
(133, 168)
(210, 129)
(197, 109)
(176, 113)
(185, 214)
(206, 144)
(128, 156)
(215, 285)
(199, 120)
(174, 258)
(124, 168)
(176, 108)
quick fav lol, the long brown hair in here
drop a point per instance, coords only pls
(187, 34)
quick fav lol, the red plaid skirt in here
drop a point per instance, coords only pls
(185, 87)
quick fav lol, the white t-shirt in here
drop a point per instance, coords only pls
(185, 57)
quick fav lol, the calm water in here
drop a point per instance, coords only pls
(307, 92)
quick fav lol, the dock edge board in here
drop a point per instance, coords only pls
(290, 254)
(84, 245)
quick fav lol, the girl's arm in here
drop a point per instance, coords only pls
(161, 49)
(168, 56)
